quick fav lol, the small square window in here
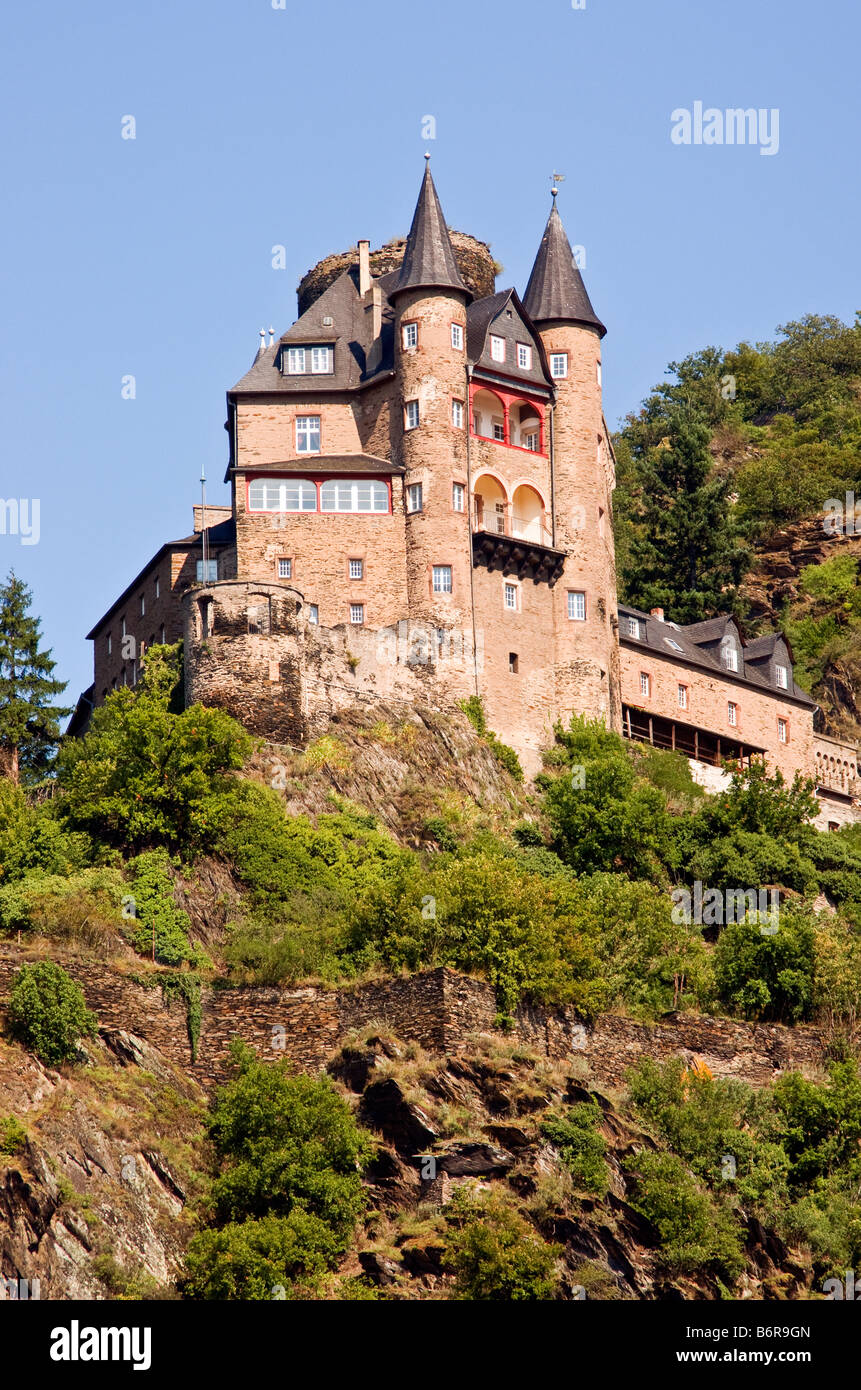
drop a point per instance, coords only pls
(456, 336)
(524, 356)
(357, 613)
(285, 569)
(576, 606)
(780, 676)
(411, 335)
(511, 597)
(308, 434)
(414, 497)
(497, 348)
(357, 569)
(457, 414)
(732, 713)
(782, 730)
(458, 496)
(442, 579)
(321, 360)
(499, 430)
(412, 414)
(313, 613)
(558, 364)
(683, 697)
(645, 683)
(295, 361)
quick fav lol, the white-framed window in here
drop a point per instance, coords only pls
(282, 495)
(531, 441)
(313, 613)
(295, 361)
(730, 657)
(782, 731)
(633, 627)
(321, 360)
(411, 414)
(442, 579)
(645, 683)
(457, 414)
(410, 335)
(675, 645)
(357, 569)
(497, 348)
(458, 496)
(732, 713)
(683, 696)
(558, 364)
(353, 495)
(414, 497)
(499, 430)
(285, 569)
(457, 336)
(307, 434)
(780, 676)
(207, 571)
(357, 613)
(577, 605)
(510, 597)
(524, 356)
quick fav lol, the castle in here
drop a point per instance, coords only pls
(421, 478)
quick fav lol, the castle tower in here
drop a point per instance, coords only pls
(584, 601)
(430, 355)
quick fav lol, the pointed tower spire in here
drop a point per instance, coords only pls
(429, 261)
(556, 290)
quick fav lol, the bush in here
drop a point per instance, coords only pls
(48, 1013)
(82, 907)
(473, 708)
(13, 1136)
(156, 916)
(695, 1232)
(260, 1259)
(495, 1255)
(768, 977)
(581, 1148)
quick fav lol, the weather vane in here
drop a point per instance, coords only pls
(556, 179)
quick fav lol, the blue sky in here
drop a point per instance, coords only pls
(301, 126)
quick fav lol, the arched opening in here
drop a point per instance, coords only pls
(527, 516)
(525, 426)
(490, 505)
(488, 416)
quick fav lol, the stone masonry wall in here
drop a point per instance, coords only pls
(439, 1009)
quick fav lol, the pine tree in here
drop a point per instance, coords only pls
(29, 722)
(685, 554)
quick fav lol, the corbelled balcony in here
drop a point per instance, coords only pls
(513, 544)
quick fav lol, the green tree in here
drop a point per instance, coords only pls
(495, 1255)
(29, 720)
(48, 1013)
(144, 776)
(686, 555)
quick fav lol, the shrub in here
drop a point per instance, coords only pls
(768, 977)
(48, 1013)
(581, 1148)
(495, 1255)
(82, 907)
(259, 1259)
(473, 708)
(157, 918)
(13, 1136)
(695, 1232)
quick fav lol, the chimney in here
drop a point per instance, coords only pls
(658, 613)
(364, 267)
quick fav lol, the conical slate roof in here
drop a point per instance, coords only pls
(428, 258)
(556, 290)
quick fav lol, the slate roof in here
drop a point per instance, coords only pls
(656, 636)
(488, 313)
(556, 291)
(428, 256)
(326, 463)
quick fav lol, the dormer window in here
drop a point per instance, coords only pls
(634, 627)
(300, 361)
(524, 356)
(780, 677)
(730, 657)
(497, 348)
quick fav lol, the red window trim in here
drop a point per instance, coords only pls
(317, 479)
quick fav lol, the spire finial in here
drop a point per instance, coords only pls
(271, 335)
(555, 180)
(427, 154)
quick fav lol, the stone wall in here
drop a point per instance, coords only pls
(439, 1009)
